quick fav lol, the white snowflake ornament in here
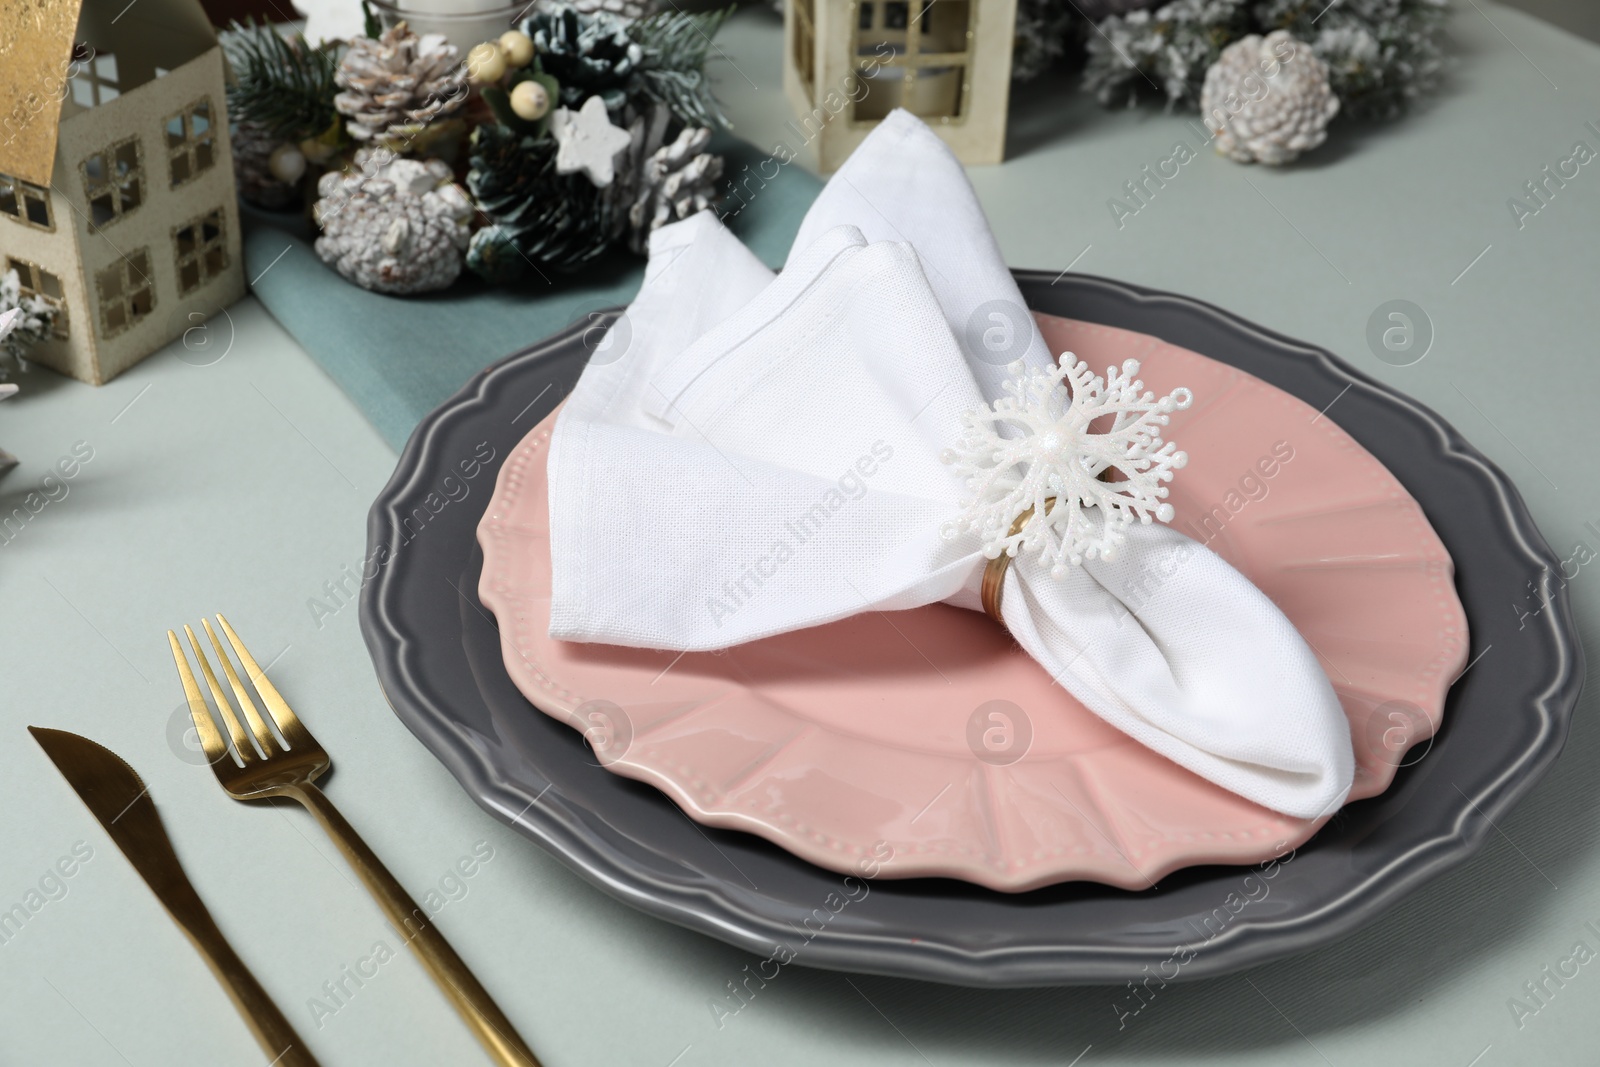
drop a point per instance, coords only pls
(586, 141)
(1034, 459)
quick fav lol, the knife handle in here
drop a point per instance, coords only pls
(482, 1015)
(272, 1030)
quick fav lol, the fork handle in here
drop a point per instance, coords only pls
(482, 1015)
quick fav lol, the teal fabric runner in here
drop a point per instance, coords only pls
(398, 358)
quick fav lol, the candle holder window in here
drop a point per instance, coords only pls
(848, 63)
(919, 63)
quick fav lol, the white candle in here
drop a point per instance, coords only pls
(452, 7)
(463, 23)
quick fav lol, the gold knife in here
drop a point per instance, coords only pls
(121, 801)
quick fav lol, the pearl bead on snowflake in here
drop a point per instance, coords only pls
(1034, 459)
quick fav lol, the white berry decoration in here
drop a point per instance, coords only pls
(1267, 99)
(517, 47)
(486, 64)
(530, 100)
(287, 163)
(1037, 452)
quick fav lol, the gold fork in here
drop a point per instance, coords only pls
(290, 768)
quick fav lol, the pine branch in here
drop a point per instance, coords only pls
(1044, 30)
(1165, 51)
(672, 72)
(1381, 54)
(282, 84)
(32, 326)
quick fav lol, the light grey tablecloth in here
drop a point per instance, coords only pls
(242, 486)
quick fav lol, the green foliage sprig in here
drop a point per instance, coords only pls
(1381, 54)
(31, 327)
(672, 71)
(282, 84)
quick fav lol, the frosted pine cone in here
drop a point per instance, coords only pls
(1267, 99)
(586, 54)
(623, 9)
(678, 180)
(1096, 10)
(252, 152)
(646, 133)
(26, 319)
(393, 225)
(398, 83)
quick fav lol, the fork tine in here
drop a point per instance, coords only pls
(241, 741)
(246, 701)
(210, 739)
(288, 722)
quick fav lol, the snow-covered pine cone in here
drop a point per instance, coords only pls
(622, 9)
(398, 83)
(677, 180)
(252, 174)
(538, 219)
(1267, 99)
(646, 133)
(393, 225)
(586, 54)
(1095, 10)
(35, 316)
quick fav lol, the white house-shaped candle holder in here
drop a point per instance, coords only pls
(116, 181)
(848, 63)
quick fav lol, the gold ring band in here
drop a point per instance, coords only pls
(994, 575)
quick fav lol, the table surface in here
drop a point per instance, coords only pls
(241, 484)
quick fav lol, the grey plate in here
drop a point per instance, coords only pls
(437, 655)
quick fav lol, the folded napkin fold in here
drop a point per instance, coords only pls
(752, 454)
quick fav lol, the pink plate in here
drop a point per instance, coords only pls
(931, 738)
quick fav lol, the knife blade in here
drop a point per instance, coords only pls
(119, 799)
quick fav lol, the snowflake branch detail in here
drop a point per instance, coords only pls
(1039, 488)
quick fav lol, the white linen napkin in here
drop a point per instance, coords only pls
(757, 454)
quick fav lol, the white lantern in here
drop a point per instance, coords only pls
(848, 63)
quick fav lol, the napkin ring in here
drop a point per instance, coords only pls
(994, 575)
(1095, 445)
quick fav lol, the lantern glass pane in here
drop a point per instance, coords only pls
(933, 92)
(944, 25)
(882, 93)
